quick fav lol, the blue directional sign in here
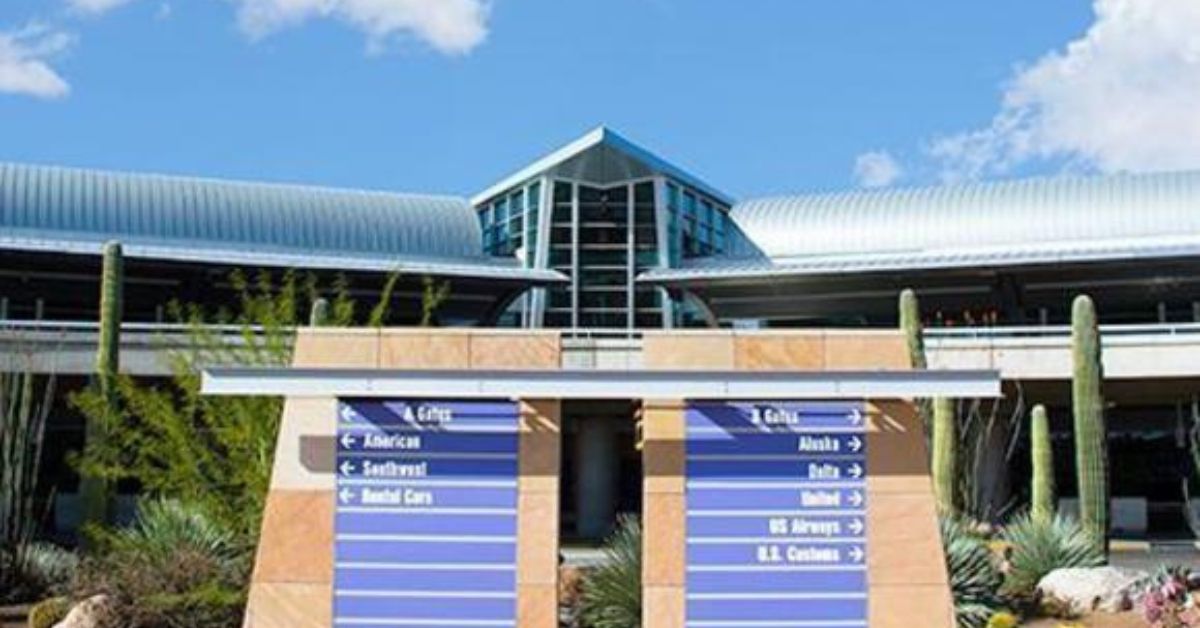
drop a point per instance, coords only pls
(776, 514)
(426, 522)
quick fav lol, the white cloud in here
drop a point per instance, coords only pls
(96, 7)
(876, 169)
(449, 26)
(25, 56)
(1123, 97)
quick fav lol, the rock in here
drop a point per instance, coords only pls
(1086, 589)
(95, 612)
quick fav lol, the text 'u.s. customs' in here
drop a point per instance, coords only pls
(776, 514)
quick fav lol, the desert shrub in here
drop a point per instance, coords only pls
(28, 569)
(48, 612)
(174, 566)
(975, 579)
(612, 593)
(1037, 548)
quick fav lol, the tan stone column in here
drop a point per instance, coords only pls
(906, 572)
(664, 522)
(291, 586)
(537, 514)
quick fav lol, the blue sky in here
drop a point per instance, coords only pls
(756, 96)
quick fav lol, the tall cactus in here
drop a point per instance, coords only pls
(944, 458)
(910, 324)
(1091, 437)
(96, 491)
(1042, 462)
(938, 416)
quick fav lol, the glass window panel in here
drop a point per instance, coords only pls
(672, 197)
(501, 209)
(516, 203)
(535, 196)
(643, 193)
(562, 192)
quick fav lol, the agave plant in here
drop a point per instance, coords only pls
(165, 527)
(612, 593)
(974, 577)
(1039, 547)
(175, 566)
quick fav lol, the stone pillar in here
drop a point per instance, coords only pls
(906, 574)
(595, 476)
(292, 582)
(664, 521)
(537, 514)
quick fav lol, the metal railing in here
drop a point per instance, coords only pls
(1055, 335)
(936, 333)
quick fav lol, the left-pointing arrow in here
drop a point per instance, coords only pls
(347, 414)
(347, 441)
(347, 467)
(345, 495)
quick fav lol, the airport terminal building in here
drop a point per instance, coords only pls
(603, 240)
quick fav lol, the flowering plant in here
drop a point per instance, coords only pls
(1166, 601)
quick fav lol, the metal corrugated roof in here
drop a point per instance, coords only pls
(1031, 221)
(193, 219)
(1042, 211)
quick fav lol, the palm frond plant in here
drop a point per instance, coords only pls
(1039, 547)
(975, 579)
(612, 593)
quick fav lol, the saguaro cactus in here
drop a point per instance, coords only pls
(910, 324)
(938, 415)
(96, 491)
(1042, 461)
(944, 457)
(1091, 437)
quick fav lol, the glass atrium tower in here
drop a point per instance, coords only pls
(602, 210)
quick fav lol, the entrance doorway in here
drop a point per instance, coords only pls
(601, 468)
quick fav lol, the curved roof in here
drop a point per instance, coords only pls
(193, 219)
(1064, 212)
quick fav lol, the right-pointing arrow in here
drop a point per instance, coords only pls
(857, 554)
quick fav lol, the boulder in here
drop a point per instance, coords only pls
(1087, 589)
(95, 612)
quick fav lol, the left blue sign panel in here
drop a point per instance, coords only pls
(426, 522)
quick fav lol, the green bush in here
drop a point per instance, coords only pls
(1039, 547)
(612, 593)
(48, 612)
(175, 566)
(975, 579)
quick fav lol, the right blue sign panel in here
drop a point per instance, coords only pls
(776, 514)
